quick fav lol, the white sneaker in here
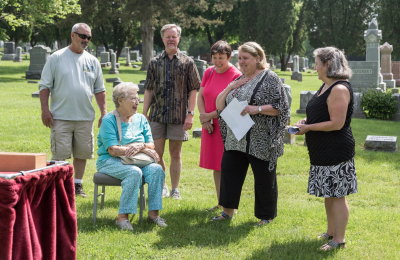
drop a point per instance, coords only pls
(165, 191)
(124, 224)
(175, 194)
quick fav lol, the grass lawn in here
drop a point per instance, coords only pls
(373, 231)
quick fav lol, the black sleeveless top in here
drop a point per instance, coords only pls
(332, 147)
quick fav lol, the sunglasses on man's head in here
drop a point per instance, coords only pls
(84, 36)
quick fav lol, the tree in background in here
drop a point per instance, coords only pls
(18, 18)
(389, 23)
(278, 25)
(339, 23)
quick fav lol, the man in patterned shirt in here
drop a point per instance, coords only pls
(170, 94)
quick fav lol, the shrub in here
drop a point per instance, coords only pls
(378, 105)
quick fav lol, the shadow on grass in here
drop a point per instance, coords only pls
(193, 227)
(8, 80)
(301, 249)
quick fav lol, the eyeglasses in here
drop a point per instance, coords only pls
(84, 36)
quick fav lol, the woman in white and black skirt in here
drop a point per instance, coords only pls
(330, 143)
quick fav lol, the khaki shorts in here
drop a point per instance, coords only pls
(74, 137)
(168, 131)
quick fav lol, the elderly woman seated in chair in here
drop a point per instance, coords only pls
(131, 137)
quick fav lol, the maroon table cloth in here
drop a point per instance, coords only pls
(38, 215)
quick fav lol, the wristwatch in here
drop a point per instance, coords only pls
(259, 109)
(190, 112)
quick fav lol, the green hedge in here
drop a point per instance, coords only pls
(378, 105)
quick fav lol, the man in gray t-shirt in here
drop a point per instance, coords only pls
(72, 76)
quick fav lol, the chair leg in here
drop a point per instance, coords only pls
(94, 215)
(103, 194)
(142, 203)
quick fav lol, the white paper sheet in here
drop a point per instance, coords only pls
(239, 124)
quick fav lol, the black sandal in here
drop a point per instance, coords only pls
(263, 222)
(332, 245)
(223, 216)
(325, 236)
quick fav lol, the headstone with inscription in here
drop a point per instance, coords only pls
(296, 74)
(9, 51)
(386, 65)
(135, 55)
(305, 97)
(105, 59)
(38, 57)
(366, 74)
(113, 69)
(18, 54)
(381, 143)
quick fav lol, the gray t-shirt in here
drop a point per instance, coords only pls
(72, 79)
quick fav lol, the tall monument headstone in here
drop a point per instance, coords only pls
(113, 69)
(366, 74)
(38, 57)
(386, 65)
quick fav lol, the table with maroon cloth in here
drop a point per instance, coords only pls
(38, 215)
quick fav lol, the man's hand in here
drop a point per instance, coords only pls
(188, 122)
(100, 120)
(47, 118)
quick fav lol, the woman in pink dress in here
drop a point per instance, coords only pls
(215, 79)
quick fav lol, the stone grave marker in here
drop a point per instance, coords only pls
(386, 65)
(306, 65)
(105, 59)
(366, 74)
(113, 69)
(302, 64)
(396, 72)
(116, 82)
(357, 111)
(381, 143)
(38, 57)
(99, 50)
(296, 74)
(18, 54)
(234, 58)
(141, 86)
(128, 57)
(9, 51)
(305, 96)
(201, 66)
(35, 94)
(113, 79)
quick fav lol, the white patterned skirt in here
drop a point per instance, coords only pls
(334, 181)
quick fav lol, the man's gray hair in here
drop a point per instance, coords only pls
(79, 25)
(121, 91)
(171, 26)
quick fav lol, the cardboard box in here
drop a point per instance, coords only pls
(15, 162)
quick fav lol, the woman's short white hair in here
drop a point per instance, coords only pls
(121, 91)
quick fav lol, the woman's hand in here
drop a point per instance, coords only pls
(152, 153)
(237, 83)
(303, 127)
(206, 117)
(251, 110)
(208, 127)
(134, 148)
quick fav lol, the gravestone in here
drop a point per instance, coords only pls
(305, 97)
(113, 79)
(296, 74)
(386, 65)
(288, 138)
(357, 110)
(116, 82)
(396, 72)
(127, 56)
(99, 50)
(141, 86)
(381, 143)
(105, 59)
(271, 63)
(9, 51)
(135, 55)
(35, 94)
(289, 66)
(18, 54)
(38, 57)
(113, 69)
(197, 133)
(124, 51)
(366, 74)
(201, 66)
(306, 65)
(302, 64)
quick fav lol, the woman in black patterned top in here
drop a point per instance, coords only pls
(330, 142)
(268, 106)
